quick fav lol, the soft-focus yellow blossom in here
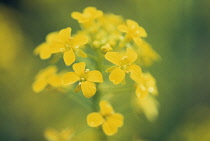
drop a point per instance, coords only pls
(46, 77)
(85, 77)
(54, 135)
(146, 85)
(124, 64)
(109, 120)
(44, 49)
(89, 14)
(133, 31)
(147, 56)
(68, 45)
(149, 106)
(110, 22)
(106, 48)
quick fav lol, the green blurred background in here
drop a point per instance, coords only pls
(179, 30)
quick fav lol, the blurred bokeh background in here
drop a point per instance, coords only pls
(179, 30)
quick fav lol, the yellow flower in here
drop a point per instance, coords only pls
(54, 135)
(124, 65)
(89, 14)
(86, 79)
(149, 106)
(146, 85)
(44, 49)
(68, 45)
(45, 77)
(106, 48)
(109, 120)
(134, 31)
(146, 54)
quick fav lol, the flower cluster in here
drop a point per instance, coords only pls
(104, 39)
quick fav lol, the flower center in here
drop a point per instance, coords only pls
(67, 47)
(82, 79)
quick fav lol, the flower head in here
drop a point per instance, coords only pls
(89, 14)
(54, 135)
(133, 31)
(46, 77)
(124, 64)
(86, 79)
(68, 45)
(109, 120)
(146, 85)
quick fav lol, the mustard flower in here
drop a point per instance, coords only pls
(133, 31)
(124, 64)
(44, 49)
(54, 135)
(46, 77)
(89, 14)
(68, 45)
(86, 79)
(146, 85)
(109, 120)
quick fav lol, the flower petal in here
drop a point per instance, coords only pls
(131, 55)
(39, 85)
(111, 69)
(65, 34)
(57, 47)
(116, 120)
(55, 81)
(113, 57)
(51, 37)
(79, 68)
(95, 119)
(70, 78)
(132, 24)
(76, 15)
(88, 89)
(94, 76)
(109, 129)
(117, 76)
(135, 73)
(79, 40)
(149, 106)
(105, 108)
(142, 32)
(123, 28)
(45, 53)
(137, 40)
(69, 57)
(81, 53)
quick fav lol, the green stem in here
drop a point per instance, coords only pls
(96, 99)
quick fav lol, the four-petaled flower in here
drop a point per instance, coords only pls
(134, 31)
(86, 79)
(146, 85)
(124, 65)
(68, 45)
(89, 14)
(46, 77)
(109, 120)
(54, 135)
